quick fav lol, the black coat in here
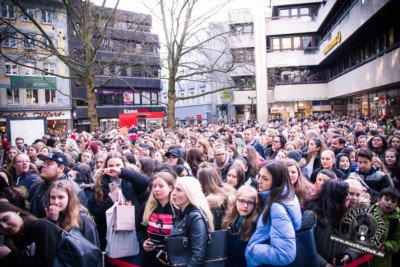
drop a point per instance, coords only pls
(132, 185)
(197, 232)
(46, 237)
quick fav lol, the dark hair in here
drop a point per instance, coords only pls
(13, 196)
(338, 157)
(84, 173)
(194, 159)
(179, 169)
(365, 153)
(165, 167)
(147, 165)
(384, 142)
(331, 174)
(329, 203)
(340, 138)
(280, 183)
(391, 193)
(130, 158)
(319, 143)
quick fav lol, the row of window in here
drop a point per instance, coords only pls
(32, 96)
(14, 69)
(294, 75)
(245, 82)
(304, 12)
(126, 98)
(365, 50)
(130, 47)
(292, 43)
(29, 41)
(242, 55)
(8, 12)
(241, 28)
(134, 71)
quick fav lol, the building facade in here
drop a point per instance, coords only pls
(340, 57)
(129, 73)
(29, 86)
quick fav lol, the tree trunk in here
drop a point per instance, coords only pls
(171, 110)
(91, 98)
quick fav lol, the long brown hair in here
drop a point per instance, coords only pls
(71, 214)
(280, 183)
(98, 188)
(248, 225)
(210, 181)
(302, 188)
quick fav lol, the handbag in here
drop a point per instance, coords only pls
(119, 243)
(179, 251)
(124, 215)
(75, 250)
(306, 250)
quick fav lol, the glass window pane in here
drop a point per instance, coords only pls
(296, 43)
(295, 12)
(286, 43)
(304, 11)
(145, 98)
(283, 12)
(275, 44)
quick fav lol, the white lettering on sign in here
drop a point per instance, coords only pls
(51, 115)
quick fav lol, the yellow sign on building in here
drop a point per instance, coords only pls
(335, 41)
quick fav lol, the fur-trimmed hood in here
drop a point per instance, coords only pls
(216, 200)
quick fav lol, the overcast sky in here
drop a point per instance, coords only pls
(203, 5)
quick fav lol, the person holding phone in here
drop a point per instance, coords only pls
(115, 175)
(156, 217)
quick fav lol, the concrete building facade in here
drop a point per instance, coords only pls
(26, 92)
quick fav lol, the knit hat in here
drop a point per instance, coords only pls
(294, 154)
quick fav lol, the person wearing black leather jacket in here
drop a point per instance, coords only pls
(195, 218)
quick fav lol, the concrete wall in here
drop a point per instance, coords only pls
(382, 71)
(300, 92)
(242, 97)
(291, 58)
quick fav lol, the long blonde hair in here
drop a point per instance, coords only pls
(152, 203)
(192, 188)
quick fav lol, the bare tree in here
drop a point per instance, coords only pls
(195, 50)
(92, 28)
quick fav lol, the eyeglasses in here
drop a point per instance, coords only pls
(248, 203)
(219, 155)
(22, 161)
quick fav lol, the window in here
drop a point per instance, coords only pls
(10, 40)
(146, 98)
(11, 68)
(154, 98)
(49, 68)
(32, 96)
(29, 42)
(243, 55)
(123, 71)
(29, 69)
(136, 98)
(243, 28)
(7, 11)
(293, 43)
(12, 96)
(47, 16)
(29, 11)
(137, 72)
(111, 97)
(112, 69)
(50, 96)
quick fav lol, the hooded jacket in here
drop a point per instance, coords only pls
(274, 243)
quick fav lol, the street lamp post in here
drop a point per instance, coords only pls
(252, 99)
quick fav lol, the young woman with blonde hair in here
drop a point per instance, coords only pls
(240, 220)
(156, 217)
(195, 219)
(65, 210)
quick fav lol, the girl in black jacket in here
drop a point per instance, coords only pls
(21, 229)
(195, 218)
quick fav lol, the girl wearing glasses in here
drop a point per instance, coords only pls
(274, 241)
(23, 173)
(241, 223)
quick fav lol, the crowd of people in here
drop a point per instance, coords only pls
(260, 182)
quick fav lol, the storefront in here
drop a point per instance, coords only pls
(56, 120)
(375, 104)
